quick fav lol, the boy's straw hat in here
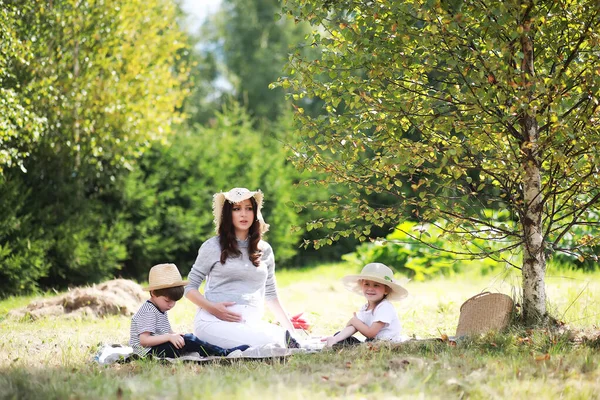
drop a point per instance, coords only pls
(376, 272)
(237, 195)
(164, 276)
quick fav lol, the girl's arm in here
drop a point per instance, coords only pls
(369, 331)
(343, 334)
(280, 314)
(148, 340)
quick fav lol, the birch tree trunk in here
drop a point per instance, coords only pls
(534, 260)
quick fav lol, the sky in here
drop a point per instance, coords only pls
(199, 10)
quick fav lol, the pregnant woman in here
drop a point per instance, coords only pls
(239, 270)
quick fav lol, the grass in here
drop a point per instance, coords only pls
(51, 358)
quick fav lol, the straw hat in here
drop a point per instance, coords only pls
(376, 272)
(237, 195)
(164, 276)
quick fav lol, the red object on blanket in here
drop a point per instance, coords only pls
(300, 323)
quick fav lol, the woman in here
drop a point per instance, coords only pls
(239, 269)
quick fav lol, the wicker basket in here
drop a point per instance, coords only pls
(484, 312)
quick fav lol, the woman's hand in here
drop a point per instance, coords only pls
(221, 311)
(280, 315)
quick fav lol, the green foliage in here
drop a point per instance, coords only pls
(580, 236)
(436, 127)
(95, 85)
(168, 200)
(86, 247)
(45, 245)
(103, 77)
(98, 86)
(450, 108)
(415, 250)
(204, 97)
(22, 243)
(20, 127)
(69, 241)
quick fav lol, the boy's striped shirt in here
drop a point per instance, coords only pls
(148, 319)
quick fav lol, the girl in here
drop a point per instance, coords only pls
(239, 269)
(377, 319)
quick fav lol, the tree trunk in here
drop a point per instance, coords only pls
(534, 259)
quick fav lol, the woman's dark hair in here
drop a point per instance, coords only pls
(172, 293)
(228, 241)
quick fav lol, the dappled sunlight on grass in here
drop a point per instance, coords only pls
(574, 297)
(51, 358)
(433, 306)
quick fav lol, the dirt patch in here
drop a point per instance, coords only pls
(115, 297)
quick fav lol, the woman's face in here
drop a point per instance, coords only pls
(242, 216)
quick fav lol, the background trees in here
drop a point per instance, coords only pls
(253, 42)
(456, 112)
(168, 199)
(475, 121)
(89, 87)
(116, 129)
(19, 125)
(242, 49)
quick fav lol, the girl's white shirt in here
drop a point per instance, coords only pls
(386, 313)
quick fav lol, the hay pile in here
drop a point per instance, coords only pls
(118, 296)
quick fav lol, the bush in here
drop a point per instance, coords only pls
(168, 199)
(418, 259)
(47, 241)
(584, 239)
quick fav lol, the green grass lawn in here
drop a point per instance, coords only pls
(51, 358)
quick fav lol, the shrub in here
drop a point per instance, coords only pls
(428, 256)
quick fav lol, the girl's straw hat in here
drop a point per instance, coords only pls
(237, 195)
(376, 272)
(164, 276)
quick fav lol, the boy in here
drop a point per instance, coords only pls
(150, 328)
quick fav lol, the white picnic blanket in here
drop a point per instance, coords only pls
(112, 353)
